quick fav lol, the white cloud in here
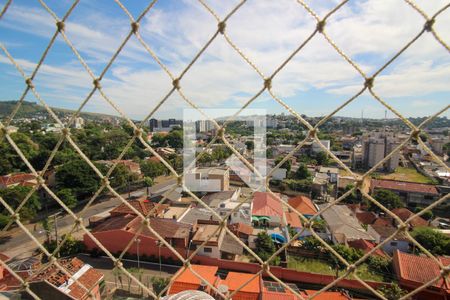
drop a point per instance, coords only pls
(268, 32)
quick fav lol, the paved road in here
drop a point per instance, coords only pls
(16, 243)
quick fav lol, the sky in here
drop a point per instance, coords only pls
(315, 82)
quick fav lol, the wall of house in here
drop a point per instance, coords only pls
(215, 252)
(117, 240)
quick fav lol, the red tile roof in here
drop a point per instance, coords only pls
(366, 217)
(167, 228)
(87, 277)
(303, 205)
(419, 269)
(293, 220)
(141, 205)
(366, 246)
(187, 280)
(404, 186)
(249, 291)
(383, 221)
(264, 204)
(20, 178)
(404, 214)
(241, 228)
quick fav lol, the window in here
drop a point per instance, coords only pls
(207, 250)
(393, 243)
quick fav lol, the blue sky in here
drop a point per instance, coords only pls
(314, 83)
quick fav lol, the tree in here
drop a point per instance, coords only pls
(67, 196)
(286, 165)
(148, 181)
(311, 243)
(322, 158)
(265, 248)
(434, 241)
(350, 254)
(15, 195)
(379, 264)
(388, 199)
(302, 172)
(152, 169)
(392, 291)
(427, 215)
(205, 158)
(250, 145)
(70, 247)
(159, 284)
(175, 139)
(48, 226)
(78, 176)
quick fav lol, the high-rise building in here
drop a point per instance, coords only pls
(376, 146)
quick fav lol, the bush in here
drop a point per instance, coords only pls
(159, 284)
(379, 264)
(392, 292)
(70, 246)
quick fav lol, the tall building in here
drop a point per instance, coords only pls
(204, 126)
(376, 146)
(164, 125)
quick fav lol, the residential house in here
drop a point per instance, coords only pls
(131, 166)
(266, 210)
(208, 179)
(185, 284)
(366, 246)
(343, 224)
(413, 271)
(404, 214)
(242, 231)
(250, 291)
(116, 232)
(303, 205)
(414, 194)
(143, 206)
(185, 279)
(228, 201)
(81, 281)
(382, 232)
(218, 244)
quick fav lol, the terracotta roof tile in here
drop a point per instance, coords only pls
(404, 186)
(366, 246)
(404, 214)
(187, 280)
(264, 204)
(241, 228)
(293, 220)
(303, 205)
(366, 217)
(419, 269)
(141, 205)
(251, 290)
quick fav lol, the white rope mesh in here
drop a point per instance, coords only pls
(177, 82)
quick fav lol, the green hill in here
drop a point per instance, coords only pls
(32, 109)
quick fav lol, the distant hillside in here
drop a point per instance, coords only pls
(32, 109)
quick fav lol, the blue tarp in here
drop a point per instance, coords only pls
(278, 238)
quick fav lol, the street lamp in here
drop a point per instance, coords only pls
(137, 251)
(158, 244)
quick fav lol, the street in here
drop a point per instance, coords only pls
(17, 244)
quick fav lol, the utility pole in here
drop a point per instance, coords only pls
(137, 251)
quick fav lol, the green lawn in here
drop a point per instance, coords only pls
(323, 267)
(407, 174)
